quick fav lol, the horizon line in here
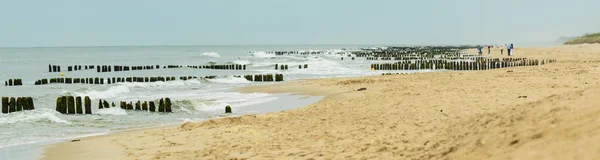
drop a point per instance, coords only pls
(182, 45)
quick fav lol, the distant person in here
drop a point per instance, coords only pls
(501, 51)
(512, 49)
(480, 48)
(489, 49)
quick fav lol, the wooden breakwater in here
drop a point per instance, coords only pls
(286, 67)
(56, 68)
(73, 105)
(478, 64)
(410, 53)
(97, 80)
(387, 74)
(264, 78)
(12, 104)
(120, 68)
(221, 67)
(13, 82)
(164, 105)
(282, 67)
(280, 53)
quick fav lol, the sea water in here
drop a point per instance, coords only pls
(193, 100)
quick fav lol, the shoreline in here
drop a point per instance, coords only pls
(534, 112)
(58, 146)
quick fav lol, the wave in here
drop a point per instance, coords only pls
(37, 115)
(111, 92)
(261, 54)
(211, 54)
(215, 102)
(229, 80)
(241, 62)
(112, 111)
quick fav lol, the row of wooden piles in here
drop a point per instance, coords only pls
(73, 105)
(282, 67)
(13, 82)
(164, 105)
(422, 52)
(112, 80)
(77, 68)
(56, 68)
(286, 67)
(459, 65)
(221, 67)
(12, 104)
(264, 78)
(119, 68)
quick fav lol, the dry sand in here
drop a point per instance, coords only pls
(441, 115)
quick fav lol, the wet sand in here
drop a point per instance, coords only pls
(534, 112)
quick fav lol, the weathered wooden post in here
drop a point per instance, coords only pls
(129, 106)
(78, 106)
(25, 103)
(100, 104)
(88, 105)
(258, 78)
(248, 77)
(123, 105)
(145, 106)
(138, 105)
(227, 109)
(106, 105)
(19, 104)
(71, 105)
(59, 107)
(4, 105)
(63, 105)
(168, 105)
(152, 107)
(13, 105)
(161, 105)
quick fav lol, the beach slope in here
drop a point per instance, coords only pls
(534, 112)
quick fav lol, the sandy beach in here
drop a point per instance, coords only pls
(535, 112)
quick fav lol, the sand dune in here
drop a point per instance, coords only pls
(536, 112)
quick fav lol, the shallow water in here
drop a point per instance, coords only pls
(193, 100)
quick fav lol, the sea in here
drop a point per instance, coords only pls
(22, 134)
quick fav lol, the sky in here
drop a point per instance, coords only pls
(41, 23)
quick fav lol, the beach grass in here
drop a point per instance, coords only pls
(587, 38)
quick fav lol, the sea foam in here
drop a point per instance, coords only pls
(211, 54)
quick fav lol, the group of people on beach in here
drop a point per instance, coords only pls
(509, 50)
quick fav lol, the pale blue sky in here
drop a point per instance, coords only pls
(222, 22)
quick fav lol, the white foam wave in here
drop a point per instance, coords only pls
(261, 54)
(38, 115)
(241, 62)
(229, 80)
(112, 111)
(216, 101)
(122, 88)
(211, 54)
(111, 92)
